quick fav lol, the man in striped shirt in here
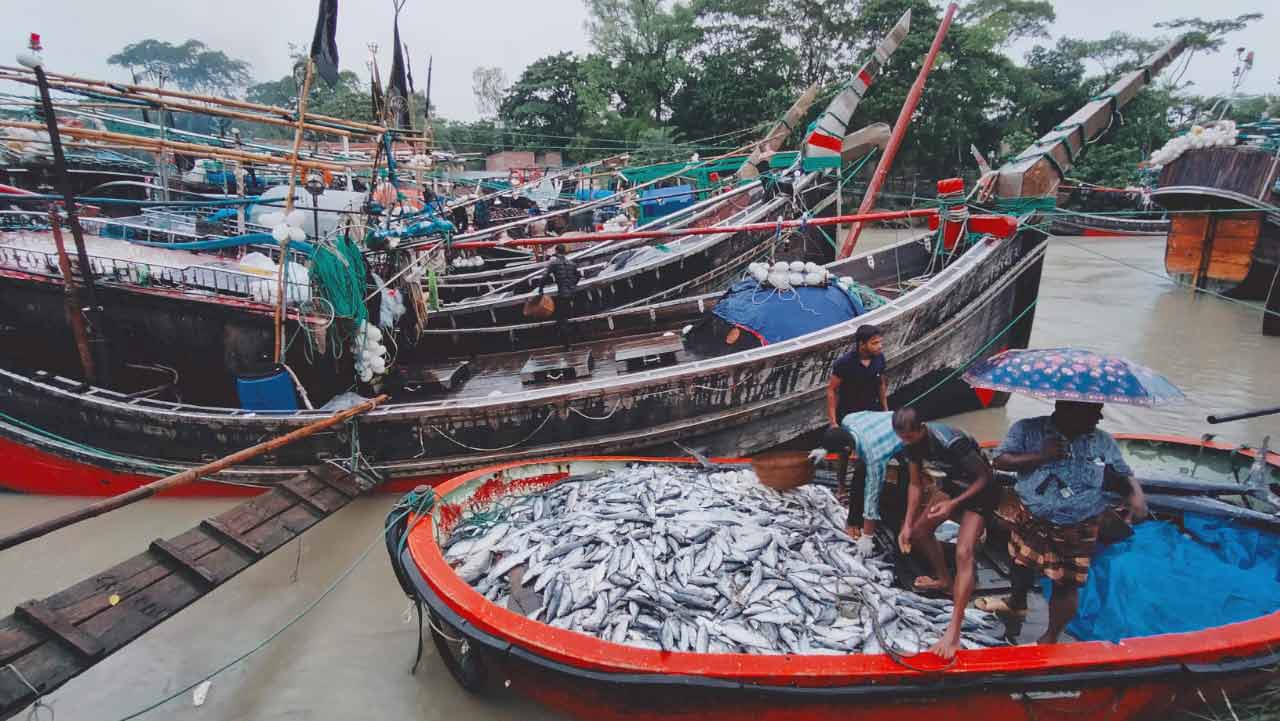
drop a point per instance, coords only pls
(870, 435)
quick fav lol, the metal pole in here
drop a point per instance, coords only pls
(899, 131)
(101, 364)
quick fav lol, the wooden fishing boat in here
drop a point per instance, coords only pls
(1088, 224)
(757, 398)
(952, 306)
(490, 649)
(1225, 234)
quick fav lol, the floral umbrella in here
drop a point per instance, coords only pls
(1072, 374)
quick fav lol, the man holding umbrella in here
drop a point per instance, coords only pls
(1062, 461)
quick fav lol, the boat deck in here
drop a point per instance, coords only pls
(506, 372)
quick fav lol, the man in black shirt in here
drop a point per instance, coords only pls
(564, 272)
(967, 495)
(857, 384)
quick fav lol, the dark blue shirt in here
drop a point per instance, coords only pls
(859, 384)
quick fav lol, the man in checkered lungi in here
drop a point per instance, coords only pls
(1061, 461)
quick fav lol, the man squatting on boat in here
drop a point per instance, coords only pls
(1063, 461)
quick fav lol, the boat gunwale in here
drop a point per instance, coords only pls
(1253, 641)
(939, 284)
(681, 253)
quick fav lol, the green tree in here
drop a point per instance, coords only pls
(646, 43)
(741, 72)
(546, 98)
(348, 98)
(191, 66)
(1000, 23)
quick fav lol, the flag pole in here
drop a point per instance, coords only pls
(288, 208)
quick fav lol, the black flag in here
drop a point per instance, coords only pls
(408, 69)
(397, 91)
(324, 46)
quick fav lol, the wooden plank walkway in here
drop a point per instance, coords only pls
(53, 640)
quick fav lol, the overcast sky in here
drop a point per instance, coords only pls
(80, 34)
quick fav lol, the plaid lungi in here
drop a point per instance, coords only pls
(1062, 553)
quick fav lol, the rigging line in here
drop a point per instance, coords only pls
(460, 444)
(380, 539)
(961, 368)
(1166, 278)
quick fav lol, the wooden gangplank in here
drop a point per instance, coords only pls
(52, 640)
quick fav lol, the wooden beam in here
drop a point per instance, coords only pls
(1038, 169)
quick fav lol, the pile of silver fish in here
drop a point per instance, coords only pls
(691, 559)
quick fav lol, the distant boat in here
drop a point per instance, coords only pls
(1225, 233)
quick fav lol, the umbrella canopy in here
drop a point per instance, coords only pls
(1072, 374)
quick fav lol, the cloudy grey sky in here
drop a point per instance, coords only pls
(80, 34)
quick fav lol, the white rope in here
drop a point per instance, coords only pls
(605, 417)
(521, 442)
(39, 703)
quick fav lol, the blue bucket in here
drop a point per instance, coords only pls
(270, 391)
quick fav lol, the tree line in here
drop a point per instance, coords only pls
(666, 78)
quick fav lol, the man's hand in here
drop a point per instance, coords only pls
(941, 510)
(904, 539)
(1053, 449)
(817, 455)
(1137, 505)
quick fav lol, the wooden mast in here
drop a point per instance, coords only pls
(288, 208)
(899, 131)
(100, 367)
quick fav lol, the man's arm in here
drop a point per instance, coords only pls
(1137, 500)
(976, 468)
(914, 490)
(884, 393)
(833, 398)
(1015, 455)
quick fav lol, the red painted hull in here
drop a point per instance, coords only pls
(583, 676)
(27, 469)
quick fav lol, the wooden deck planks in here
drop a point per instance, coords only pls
(53, 640)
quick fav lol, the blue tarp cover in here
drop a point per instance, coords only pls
(1160, 581)
(661, 201)
(775, 316)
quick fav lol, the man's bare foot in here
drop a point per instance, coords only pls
(928, 584)
(855, 532)
(1046, 640)
(946, 647)
(1005, 606)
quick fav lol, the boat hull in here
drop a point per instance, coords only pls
(586, 677)
(980, 303)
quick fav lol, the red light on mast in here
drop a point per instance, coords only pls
(35, 42)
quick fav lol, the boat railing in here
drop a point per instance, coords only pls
(192, 280)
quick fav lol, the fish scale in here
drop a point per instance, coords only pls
(689, 559)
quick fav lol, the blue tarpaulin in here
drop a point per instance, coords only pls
(661, 201)
(775, 316)
(1160, 581)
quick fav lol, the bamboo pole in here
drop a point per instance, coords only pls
(188, 148)
(354, 125)
(71, 298)
(899, 131)
(709, 230)
(288, 208)
(184, 477)
(215, 111)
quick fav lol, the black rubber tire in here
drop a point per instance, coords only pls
(463, 661)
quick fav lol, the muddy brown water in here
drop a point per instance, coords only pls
(349, 657)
